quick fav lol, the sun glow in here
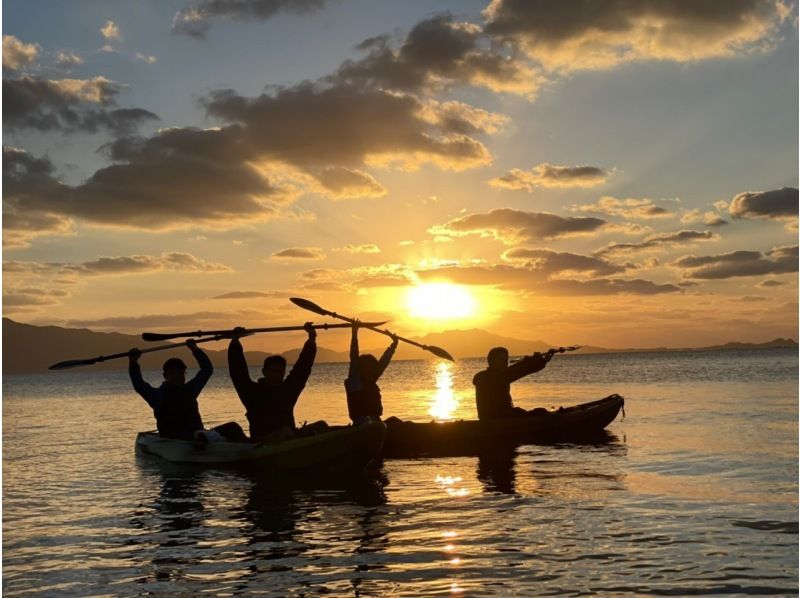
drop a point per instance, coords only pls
(444, 401)
(440, 301)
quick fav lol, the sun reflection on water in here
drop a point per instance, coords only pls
(448, 483)
(444, 400)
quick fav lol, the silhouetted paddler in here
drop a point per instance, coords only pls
(493, 385)
(361, 385)
(270, 400)
(174, 403)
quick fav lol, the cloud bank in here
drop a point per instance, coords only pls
(551, 175)
(196, 19)
(781, 260)
(511, 226)
(601, 34)
(68, 105)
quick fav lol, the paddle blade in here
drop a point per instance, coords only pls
(72, 363)
(439, 352)
(309, 305)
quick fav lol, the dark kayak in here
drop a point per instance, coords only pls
(472, 437)
(342, 448)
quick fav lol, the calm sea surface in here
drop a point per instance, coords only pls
(696, 495)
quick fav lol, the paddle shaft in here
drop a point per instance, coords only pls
(550, 352)
(311, 306)
(92, 360)
(333, 314)
(156, 336)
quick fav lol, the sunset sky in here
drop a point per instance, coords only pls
(602, 172)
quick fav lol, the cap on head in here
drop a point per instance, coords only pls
(497, 356)
(174, 363)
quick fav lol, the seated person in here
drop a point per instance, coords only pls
(361, 385)
(270, 400)
(174, 403)
(493, 385)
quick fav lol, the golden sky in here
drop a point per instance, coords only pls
(621, 176)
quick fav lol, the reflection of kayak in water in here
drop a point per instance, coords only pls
(471, 437)
(342, 448)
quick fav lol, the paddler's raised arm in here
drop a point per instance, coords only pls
(237, 365)
(383, 362)
(528, 365)
(142, 388)
(301, 370)
(353, 371)
(206, 368)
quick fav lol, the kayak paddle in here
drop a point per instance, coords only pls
(155, 336)
(74, 363)
(551, 352)
(311, 306)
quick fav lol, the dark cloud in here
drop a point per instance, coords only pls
(606, 286)
(631, 207)
(68, 105)
(551, 175)
(658, 241)
(436, 52)
(20, 229)
(552, 263)
(175, 260)
(299, 253)
(781, 260)
(749, 299)
(313, 137)
(709, 218)
(780, 204)
(598, 34)
(526, 279)
(765, 284)
(115, 266)
(155, 190)
(196, 19)
(32, 296)
(347, 183)
(315, 127)
(509, 225)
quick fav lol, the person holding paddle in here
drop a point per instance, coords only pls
(361, 385)
(270, 400)
(174, 403)
(493, 385)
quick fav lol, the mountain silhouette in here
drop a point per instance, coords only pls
(29, 349)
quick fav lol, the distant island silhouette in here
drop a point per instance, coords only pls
(31, 349)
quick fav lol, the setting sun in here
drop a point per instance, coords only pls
(440, 301)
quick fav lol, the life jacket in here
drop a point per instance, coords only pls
(270, 409)
(366, 401)
(178, 416)
(492, 395)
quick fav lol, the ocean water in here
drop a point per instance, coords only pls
(695, 494)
